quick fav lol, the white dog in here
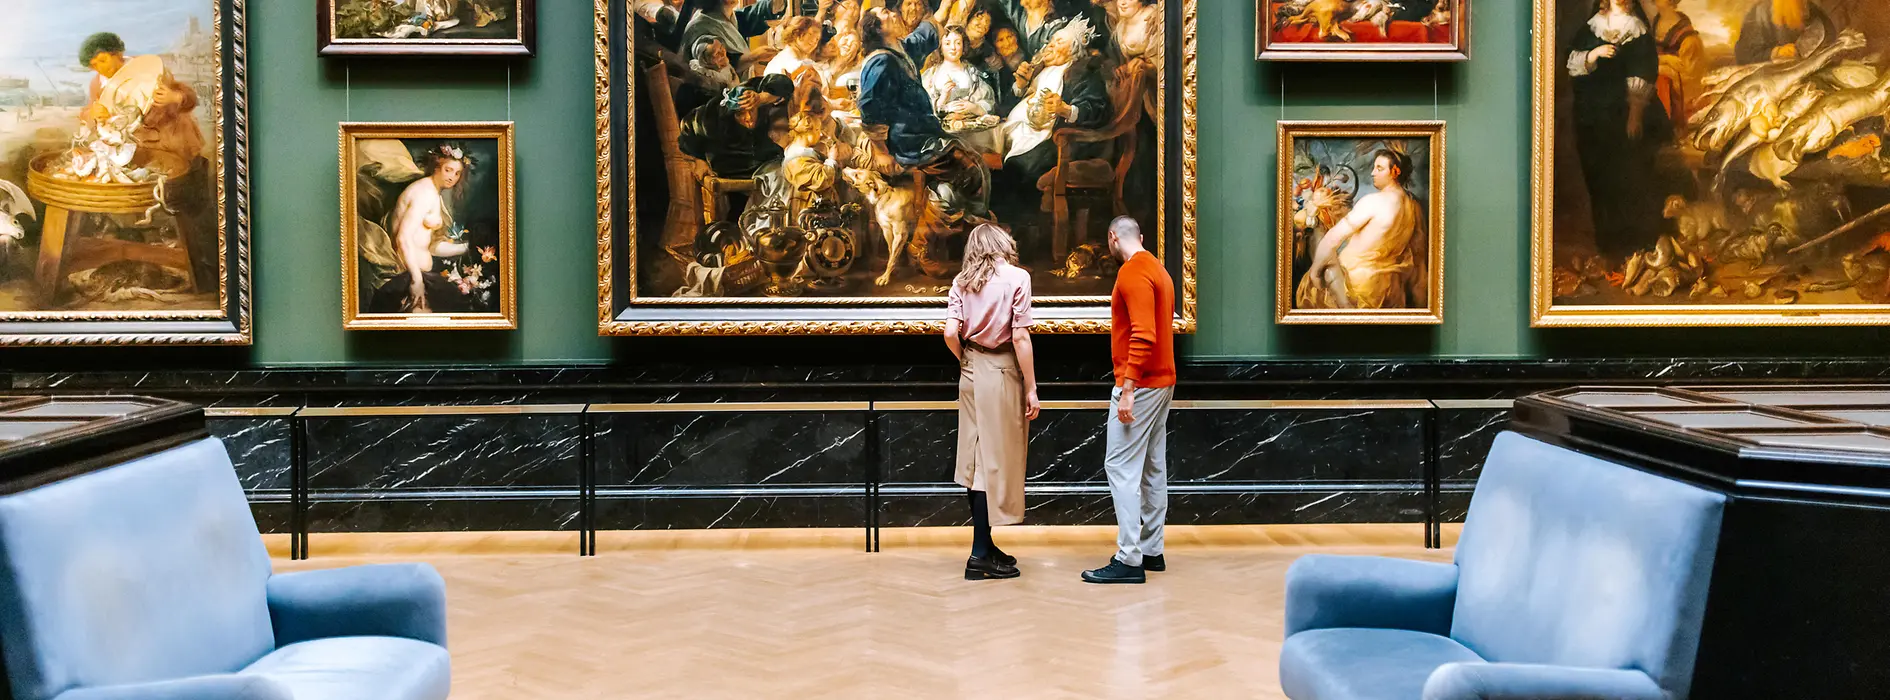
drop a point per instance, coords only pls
(897, 211)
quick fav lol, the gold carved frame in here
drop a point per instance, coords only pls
(506, 318)
(230, 323)
(765, 316)
(1458, 50)
(1290, 131)
(1545, 313)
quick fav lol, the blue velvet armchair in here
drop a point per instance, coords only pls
(148, 580)
(1574, 578)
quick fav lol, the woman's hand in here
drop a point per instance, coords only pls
(1601, 52)
(1032, 407)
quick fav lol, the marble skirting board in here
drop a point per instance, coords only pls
(692, 446)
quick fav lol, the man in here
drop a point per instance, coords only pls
(1062, 87)
(721, 19)
(1772, 29)
(1142, 344)
(168, 137)
(1373, 258)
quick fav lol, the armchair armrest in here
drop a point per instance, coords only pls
(217, 687)
(1325, 591)
(1461, 681)
(389, 600)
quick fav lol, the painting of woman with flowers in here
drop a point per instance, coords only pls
(427, 232)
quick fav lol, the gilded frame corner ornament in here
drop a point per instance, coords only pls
(1265, 49)
(1289, 132)
(506, 318)
(232, 321)
(616, 292)
(1545, 313)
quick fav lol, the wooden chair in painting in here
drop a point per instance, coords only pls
(1093, 183)
(64, 247)
(684, 218)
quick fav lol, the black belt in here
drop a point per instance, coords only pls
(999, 350)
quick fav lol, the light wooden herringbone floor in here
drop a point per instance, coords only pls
(804, 614)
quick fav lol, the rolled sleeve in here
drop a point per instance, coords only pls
(955, 305)
(1020, 305)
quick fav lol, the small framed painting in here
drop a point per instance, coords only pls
(426, 27)
(1363, 30)
(1361, 232)
(427, 217)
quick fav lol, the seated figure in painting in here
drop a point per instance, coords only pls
(905, 134)
(733, 133)
(1062, 87)
(963, 95)
(1773, 28)
(1375, 257)
(421, 228)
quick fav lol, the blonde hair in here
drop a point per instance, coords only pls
(987, 247)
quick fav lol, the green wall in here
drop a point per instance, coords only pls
(298, 100)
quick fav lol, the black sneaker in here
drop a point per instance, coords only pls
(1116, 572)
(1154, 563)
(979, 569)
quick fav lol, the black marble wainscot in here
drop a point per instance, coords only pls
(1465, 431)
(731, 465)
(258, 441)
(444, 468)
(1229, 463)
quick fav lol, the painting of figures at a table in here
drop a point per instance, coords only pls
(1721, 152)
(819, 148)
(108, 156)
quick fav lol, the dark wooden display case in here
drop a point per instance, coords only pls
(44, 439)
(1799, 604)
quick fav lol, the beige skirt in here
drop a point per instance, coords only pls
(993, 435)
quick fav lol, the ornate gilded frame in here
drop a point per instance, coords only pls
(1457, 51)
(231, 322)
(1545, 313)
(327, 44)
(506, 318)
(621, 313)
(1289, 131)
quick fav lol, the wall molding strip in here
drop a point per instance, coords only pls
(486, 410)
(250, 411)
(732, 407)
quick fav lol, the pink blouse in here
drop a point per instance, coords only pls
(987, 316)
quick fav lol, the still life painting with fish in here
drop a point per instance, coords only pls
(1712, 162)
(112, 180)
(815, 166)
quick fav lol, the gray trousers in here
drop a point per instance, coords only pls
(1137, 464)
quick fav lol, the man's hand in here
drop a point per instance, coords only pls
(883, 161)
(1125, 406)
(1032, 407)
(1053, 103)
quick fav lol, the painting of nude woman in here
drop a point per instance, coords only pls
(790, 166)
(1711, 162)
(121, 186)
(1361, 233)
(427, 227)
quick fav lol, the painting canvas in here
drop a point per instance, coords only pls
(1363, 30)
(430, 27)
(427, 226)
(1712, 162)
(1361, 235)
(121, 184)
(789, 167)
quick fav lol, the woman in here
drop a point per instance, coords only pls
(987, 327)
(1138, 29)
(800, 41)
(1619, 125)
(420, 223)
(840, 71)
(963, 95)
(1682, 59)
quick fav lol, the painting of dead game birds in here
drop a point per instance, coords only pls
(1363, 30)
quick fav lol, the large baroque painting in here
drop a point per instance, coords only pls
(1712, 162)
(121, 199)
(813, 166)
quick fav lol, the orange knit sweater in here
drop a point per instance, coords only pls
(1142, 329)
